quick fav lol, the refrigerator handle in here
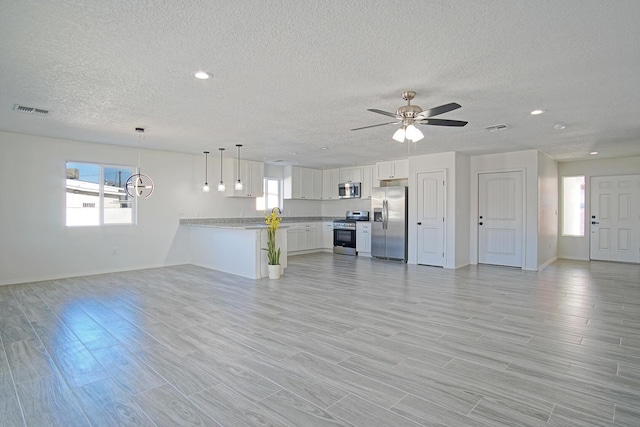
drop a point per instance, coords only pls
(385, 214)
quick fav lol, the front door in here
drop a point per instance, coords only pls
(431, 218)
(500, 218)
(615, 218)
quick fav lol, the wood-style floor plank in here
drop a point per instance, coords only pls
(338, 340)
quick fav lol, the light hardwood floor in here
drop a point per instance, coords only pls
(337, 341)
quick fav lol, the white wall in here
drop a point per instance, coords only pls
(431, 163)
(462, 209)
(36, 245)
(525, 161)
(578, 247)
(337, 208)
(547, 210)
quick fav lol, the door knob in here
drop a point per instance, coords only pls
(593, 222)
(480, 223)
(480, 216)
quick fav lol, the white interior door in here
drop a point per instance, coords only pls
(431, 218)
(615, 218)
(500, 218)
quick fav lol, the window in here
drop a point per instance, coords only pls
(573, 200)
(271, 198)
(96, 194)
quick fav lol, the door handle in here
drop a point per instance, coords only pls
(480, 223)
(419, 223)
(593, 222)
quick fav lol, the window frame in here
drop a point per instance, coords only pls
(101, 195)
(265, 194)
(563, 231)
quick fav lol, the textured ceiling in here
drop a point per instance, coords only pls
(294, 77)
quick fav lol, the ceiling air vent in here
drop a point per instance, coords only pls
(30, 110)
(496, 128)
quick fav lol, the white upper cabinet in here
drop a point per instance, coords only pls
(302, 183)
(369, 180)
(351, 174)
(330, 181)
(251, 175)
(395, 169)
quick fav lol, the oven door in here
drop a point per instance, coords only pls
(344, 241)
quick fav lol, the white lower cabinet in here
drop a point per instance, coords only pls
(363, 238)
(327, 235)
(292, 237)
(304, 236)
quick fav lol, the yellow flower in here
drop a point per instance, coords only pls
(273, 222)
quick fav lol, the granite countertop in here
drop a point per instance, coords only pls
(248, 223)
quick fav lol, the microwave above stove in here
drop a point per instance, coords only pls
(349, 190)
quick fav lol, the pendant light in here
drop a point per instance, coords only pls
(139, 184)
(205, 187)
(221, 186)
(238, 185)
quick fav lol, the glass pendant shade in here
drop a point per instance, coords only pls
(205, 188)
(399, 135)
(238, 185)
(221, 186)
(414, 134)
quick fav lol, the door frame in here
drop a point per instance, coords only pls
(444, 206)
(413, 214)
(475, 207)
(588, 203)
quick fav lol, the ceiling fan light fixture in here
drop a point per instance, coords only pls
(399, 135)
(413, 133)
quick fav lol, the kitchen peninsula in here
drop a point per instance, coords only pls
(233, 245)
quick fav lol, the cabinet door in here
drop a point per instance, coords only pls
(255, 180)
(327, 235)
(292, 238)
(306, 183)
(401, 168)
(384, 170)
(330, 181)
(350, 175)
(368, 173)
(363, 237)
(316, 177)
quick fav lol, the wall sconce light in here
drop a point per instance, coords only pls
(221, 186)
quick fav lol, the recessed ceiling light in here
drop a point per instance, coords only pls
(559, 126)
(202, 75)
(593, 153)
(536, 112)
(324, 148)
(293, 153)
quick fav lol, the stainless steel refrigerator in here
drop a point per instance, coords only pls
(389, 227)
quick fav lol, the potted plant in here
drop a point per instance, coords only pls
(273, 254)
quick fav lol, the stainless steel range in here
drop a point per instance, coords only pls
(344, 232)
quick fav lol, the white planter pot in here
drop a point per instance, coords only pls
(274, 271)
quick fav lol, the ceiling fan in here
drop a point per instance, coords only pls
(408, 115)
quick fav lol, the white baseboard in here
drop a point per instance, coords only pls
(548, 263)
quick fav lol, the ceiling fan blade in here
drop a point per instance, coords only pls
(436, 111)
(381, 124)
(442, 122)
(385, 113)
